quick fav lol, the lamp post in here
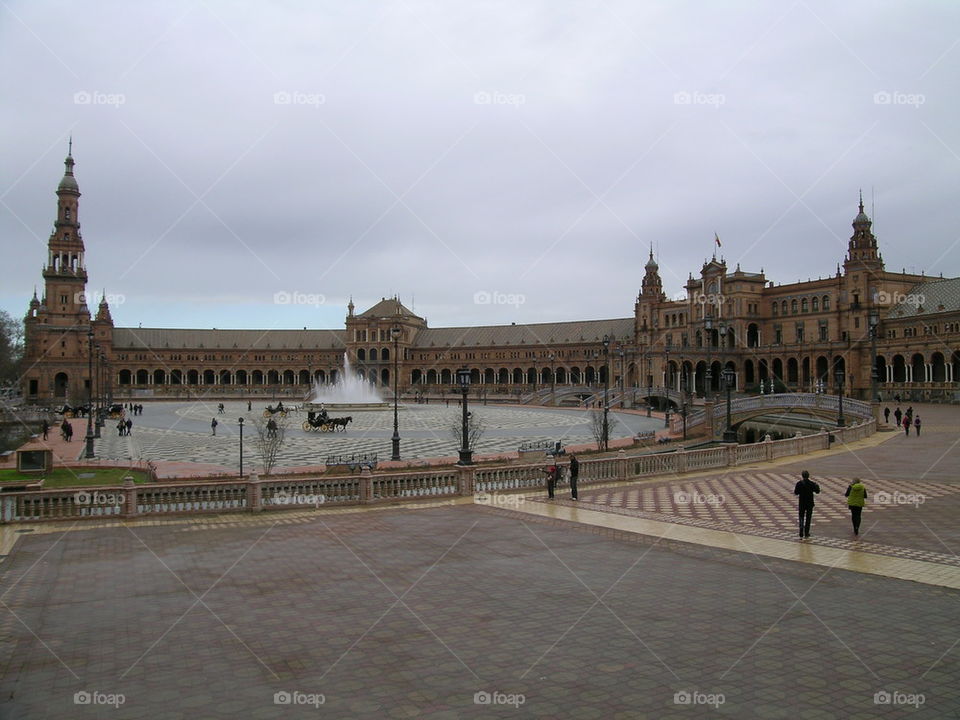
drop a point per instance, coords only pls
(839, 377)
(241, 447)
(89, 451)
(729, 377)
(708, 378)
(395, 455)
(622, 387)
(666, 382)
(97, 419)
(649, 383)
(466, 454)
(553, 379)
(874, 320)
(606, 392)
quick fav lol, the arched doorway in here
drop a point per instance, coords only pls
(60, 385)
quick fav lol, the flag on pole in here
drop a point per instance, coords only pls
(717, 238)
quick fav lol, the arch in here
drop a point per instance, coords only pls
(561, 375)
(503, 377)
(793, 371)
(939, 368)
(176, 377)
(372, 355)
(603, 374)
(193, 377)
(225, 377)
(918, 368)
(143, 377)
(899, 368)
(748, 377)
(385, 355)
(816, 304)
(288, 377)
(532, 376)
(159, 377)
(416, 377)
(385, 377)
(753, 335)
(783, 307)
(362, 375)
(591, 375)
(240, 377)
(805, 372)
(273, 377)
(334, 375)
(474, 376)
(825, 302)
(303, 377)
(258, 377)
(793, 307)
(517, 376)
(124, 377)
(489, 376)
(546, 377)
(576, 378)
(208, 377)
(432, 377)
(778, 369)
(61, 382)
(362, 355)
(763, 370)
(446, 377)
(320, 377)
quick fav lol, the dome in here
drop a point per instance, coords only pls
(69, 182)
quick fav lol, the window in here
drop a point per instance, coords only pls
(783, 308)
(816, 304)
(775, 307)
(826, 303)
(799, 332)
(803, 306)
(823, 332)
(777, 335)
(793, 307)
(66, 213)
(856, 322)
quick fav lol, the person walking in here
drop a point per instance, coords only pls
(916, 425)
(213, 426)
(45, 429)
(898, 415)
(249, 406)
(886, 415)
(65, 430)
(805, 489)
(120, 428)
(906, 424)
(856, 495)
(129, 425)
(551, 480)
(574, 474)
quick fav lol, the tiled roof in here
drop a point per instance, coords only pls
(161, 338)
(928, 298)
(386, 308)
(536, 334)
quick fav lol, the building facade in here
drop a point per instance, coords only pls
(769, 337)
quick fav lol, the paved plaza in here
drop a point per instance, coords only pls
(685, 597)
(181, 432)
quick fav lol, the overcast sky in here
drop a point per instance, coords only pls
(256, 164)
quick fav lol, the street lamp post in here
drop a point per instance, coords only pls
(666, 383)
(838, 375)
(89, 451)
(395, 455)
(606, 392)
(622, 380)
(97, 419)
(241, 447)
(874, 320)
(649, 383)
(553, 379)
(729, 435)
(466, 454)
(708, 378)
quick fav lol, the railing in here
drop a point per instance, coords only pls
(253, 494)
(781, 402)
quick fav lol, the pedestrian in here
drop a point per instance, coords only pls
(897, 415)
(805, 489)
(551, 480)
(213, 426)
(249, 406)
(916, 425)
(45, 429)
(65, 430)
(574, 474)
(69, 432)
(886, 415)
(120, 428)
(271, 428)
(897, 398)
(856, 495)
(129, 425)
(906, 424)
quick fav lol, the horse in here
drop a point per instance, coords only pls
(341, 423)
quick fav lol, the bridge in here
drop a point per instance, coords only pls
(816, 405)
(575, 394)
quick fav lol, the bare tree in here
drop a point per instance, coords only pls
(271, 433)
(597, 427)
(475, 429)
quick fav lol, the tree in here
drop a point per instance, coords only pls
(475, 429)
(596, 426)
(271, 433)
(11, 349)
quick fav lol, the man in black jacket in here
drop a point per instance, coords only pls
(805, 490)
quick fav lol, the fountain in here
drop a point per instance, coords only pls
(349, 391)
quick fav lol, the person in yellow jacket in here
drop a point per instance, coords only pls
(856, 498)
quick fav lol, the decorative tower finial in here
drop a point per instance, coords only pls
(70, 146)
(861, 199)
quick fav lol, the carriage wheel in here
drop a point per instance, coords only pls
(306, 426)
(266, 414)
(326, 427)
(283, 413)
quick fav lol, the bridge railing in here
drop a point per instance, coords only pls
(253, 494)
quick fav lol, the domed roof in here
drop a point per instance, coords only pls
(651, 263)
(69, 182)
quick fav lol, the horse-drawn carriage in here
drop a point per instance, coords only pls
(269, 411)
(76, 411)
(321, 422)
(115, 411)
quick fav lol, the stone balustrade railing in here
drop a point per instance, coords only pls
(254, 494)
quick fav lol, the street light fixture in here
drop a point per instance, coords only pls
(874, 320)
(553, 379)
(729, 377)
(649, 382)
(666, 382)
(97, 411)
(395, 455)
(838, 375)
(89, 451)
(241, 448)
(708, 378)
(606, 392)
(466, 454)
